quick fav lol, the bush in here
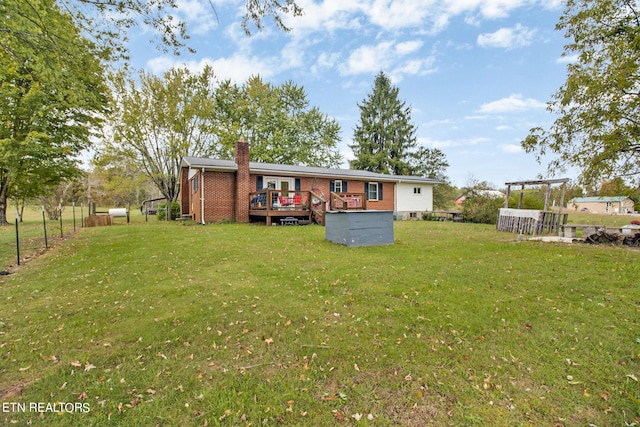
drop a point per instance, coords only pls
(481, 209)
(162, 211)
(429, 216)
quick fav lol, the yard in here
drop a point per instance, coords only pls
(455, 324)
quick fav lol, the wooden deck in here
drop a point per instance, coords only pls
(272, 206)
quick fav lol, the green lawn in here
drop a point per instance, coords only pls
(455, 324)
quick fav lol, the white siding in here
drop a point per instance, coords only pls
(407, 200)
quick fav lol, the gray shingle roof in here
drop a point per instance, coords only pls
(275, 169)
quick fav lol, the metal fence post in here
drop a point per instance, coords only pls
(17, 239)
(44, 223)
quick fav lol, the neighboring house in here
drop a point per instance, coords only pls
(606, 205)
(214, 190)
(495, 194)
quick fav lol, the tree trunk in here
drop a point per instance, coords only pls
(3, 201)
(3, 208)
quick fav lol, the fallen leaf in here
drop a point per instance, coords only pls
(269, 341)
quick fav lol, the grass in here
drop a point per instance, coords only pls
(454, 324)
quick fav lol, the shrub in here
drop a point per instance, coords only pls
(162, 211)
(481, 209)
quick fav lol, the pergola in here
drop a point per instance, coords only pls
(530, 221)
(547, 182)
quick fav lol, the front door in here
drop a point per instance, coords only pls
(279, 183)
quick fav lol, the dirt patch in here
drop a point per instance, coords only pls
(14, 390)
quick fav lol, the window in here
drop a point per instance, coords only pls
(372, 191)
(195, 184)
(337, 186)
(417, 190)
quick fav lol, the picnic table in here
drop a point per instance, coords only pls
(289, 221)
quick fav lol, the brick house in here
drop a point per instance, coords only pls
(215, 190)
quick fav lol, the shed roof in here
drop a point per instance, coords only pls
(295, 170)
(598, 199)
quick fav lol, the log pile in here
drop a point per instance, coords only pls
(607, 237)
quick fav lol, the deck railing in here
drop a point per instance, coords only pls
(279, 203)
(280, 200)
(347, 201)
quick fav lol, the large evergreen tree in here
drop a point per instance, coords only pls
(597, 129)
(385, 138)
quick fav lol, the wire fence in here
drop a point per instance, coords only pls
(21, 241)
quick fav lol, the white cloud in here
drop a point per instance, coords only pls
(326, 16)
(238, 68)
(395, 14)
(405, 48)
(200, 15)
(567, 59)
(449, 143)
(367, 59)
(160, 64)
(507, 38)
(510, 148)
(414, 67)
(325, 61)
(511, 104)
(389, 56)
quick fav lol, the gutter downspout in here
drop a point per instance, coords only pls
(202, 198)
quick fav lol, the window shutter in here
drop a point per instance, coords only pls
(366, 190)
(297, 184)
(258, 183)
(344, 187)
(380, 185)
(332, 186)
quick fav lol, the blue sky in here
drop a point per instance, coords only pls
(476, 73)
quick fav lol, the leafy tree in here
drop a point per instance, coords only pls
(158, 121)
(614, 187)
(278, 121)
(444, 194)
(597, 128)
(63, 194)
(430, 163)
(51, 100)
(109, 21)
(480, 208)
(384, 138)
(117, 181)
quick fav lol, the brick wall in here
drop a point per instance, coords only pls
(226, 194)
(219, 196)
(243, 182)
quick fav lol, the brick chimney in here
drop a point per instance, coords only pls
(243, 187)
